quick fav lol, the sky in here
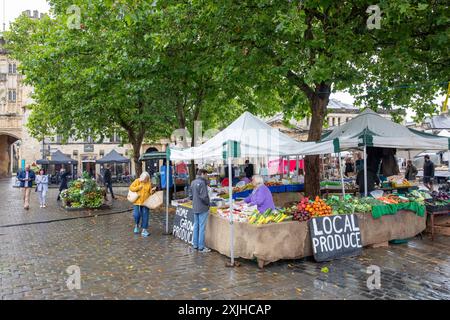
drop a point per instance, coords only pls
(11, 9)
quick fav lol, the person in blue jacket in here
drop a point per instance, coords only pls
(26, 178)
(164, 179)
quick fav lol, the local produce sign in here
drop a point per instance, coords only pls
(183, 224)
(334, 237)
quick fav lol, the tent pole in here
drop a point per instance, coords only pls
(230, 192)
(167, 194)
(342, 175)
(365, 170)
(297, 165)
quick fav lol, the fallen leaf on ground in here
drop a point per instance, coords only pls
(325, 270)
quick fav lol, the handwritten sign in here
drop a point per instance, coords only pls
(183, 224)
(335, 237)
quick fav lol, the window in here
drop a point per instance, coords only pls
(339, 121)
(59, 138)
(115, 137)
(333, 121)
(12, 95)
(12, 68)
(75, 153)
(101, 153)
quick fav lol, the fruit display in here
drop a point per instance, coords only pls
(300, 213)
(392, 199)
(399, 181)
(440, 196)
(241, 212)
(269, 216)
(273, 183)
(318, 208)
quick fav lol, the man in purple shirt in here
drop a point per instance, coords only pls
(261, 195)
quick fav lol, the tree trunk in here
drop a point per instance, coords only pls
(318, 102)
(136, 155)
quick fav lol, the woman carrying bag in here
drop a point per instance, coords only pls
(42, 187)
(142, 188)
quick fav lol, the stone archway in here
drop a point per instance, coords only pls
(9, 154)
(151, 166)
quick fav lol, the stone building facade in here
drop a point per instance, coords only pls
(338, 114)
(18, 148)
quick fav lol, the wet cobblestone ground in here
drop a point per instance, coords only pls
(116, 264)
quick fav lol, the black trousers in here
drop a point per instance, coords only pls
(108, 186)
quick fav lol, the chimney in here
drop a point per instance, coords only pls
(27, 13)
(36, 14)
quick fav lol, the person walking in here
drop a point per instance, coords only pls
(411, 171)
(42, 187)
(428, 173)
(200, 207)
(141, 213)
(26, 178)
(107, 180)
(63, 176)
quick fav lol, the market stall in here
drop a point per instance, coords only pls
(116, 159)
(56, 161)
(270, 236)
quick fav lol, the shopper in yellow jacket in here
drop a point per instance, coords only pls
(141, 213)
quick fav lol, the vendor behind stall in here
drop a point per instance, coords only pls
(261, 195)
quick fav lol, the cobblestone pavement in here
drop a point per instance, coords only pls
(116, 264)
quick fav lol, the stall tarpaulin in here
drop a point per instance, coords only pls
(256, 138)
(373, 130)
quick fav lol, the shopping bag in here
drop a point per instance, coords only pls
(155, 200)
(132, 196)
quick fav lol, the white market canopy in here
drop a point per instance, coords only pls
(372, 130)
(256, 138)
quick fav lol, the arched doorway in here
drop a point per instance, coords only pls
(151, 166)
(9, 154)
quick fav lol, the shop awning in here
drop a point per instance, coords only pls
(152, 156)
(57, 157)
(113, 157)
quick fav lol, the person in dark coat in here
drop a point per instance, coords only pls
(248, 169)
(200, 206)
(411, 171)
(349, 168)
(107, 180)
(63, 176)
(26, 178)
(372, 180)
(428, 173)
